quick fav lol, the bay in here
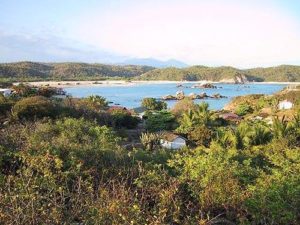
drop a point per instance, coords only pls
(130, 96)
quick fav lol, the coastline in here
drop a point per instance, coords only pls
(110, 83)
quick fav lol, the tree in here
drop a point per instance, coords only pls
(150, 140)
(201, 135)
(162, 120)
(33, 107)
(98, 102)
(243, 109)
(122, 118)
(153, 104)
(183, 106)
(201, 115)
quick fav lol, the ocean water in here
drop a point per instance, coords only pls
(131, 96)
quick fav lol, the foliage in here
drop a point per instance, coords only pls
(122, 118)
(195, 117)
(71, 169)
(183, 106)
(153, 104)
(33, 107)
(150, 140)
(158, 121)
(201, 135)
(243, 109)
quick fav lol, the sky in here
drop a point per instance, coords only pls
(244, 34)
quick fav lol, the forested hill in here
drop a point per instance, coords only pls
(68, 71)
(279, 73)
(26, 71)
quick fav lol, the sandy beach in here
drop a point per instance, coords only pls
(108, 83)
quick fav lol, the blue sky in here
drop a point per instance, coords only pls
(208, 32)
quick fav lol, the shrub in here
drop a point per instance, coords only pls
(160, 121)
(153, 104)
(33, 107)
(122, 118)
(243, 109)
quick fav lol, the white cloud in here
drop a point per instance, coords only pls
(197, 32)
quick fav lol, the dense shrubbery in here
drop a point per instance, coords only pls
(72, 168)
(243, 109)
(153, 104)
(33, 107)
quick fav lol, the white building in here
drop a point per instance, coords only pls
(285, 105)
(172, 141)
(5, 92)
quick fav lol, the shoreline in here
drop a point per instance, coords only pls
(111, 83)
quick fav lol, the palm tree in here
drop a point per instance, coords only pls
(259, 135)
(201, 115)
(226, 138)
(280, 128)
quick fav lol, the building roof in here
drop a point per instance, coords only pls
(230, 116)
(169, 136)
(139, 109)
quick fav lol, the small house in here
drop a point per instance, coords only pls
(285, 105)
(5, 92)
(170, 140)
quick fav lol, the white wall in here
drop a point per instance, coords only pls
(176, 144)
(285, 105)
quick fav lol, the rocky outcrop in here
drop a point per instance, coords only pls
(206, 85)
(180, 96)
(218, 96)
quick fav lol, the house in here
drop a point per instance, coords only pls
(5, 92)
(170, 140)
(285, 105)
(230, 116)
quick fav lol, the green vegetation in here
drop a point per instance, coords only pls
(243, 109)
(194, 73)
(153, 104)
(32, 71)
(66, 161)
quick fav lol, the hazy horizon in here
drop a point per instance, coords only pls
(244, 34)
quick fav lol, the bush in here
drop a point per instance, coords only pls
(153, 104)
(121, 118)
(243, 109)
(33, 107)
(160, 121)
(201, 135)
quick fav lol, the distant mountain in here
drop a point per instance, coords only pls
(154, 62)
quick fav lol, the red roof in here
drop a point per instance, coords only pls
(230, 116)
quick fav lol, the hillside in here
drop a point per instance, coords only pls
(280, 73)
(31, 71)
(67, 71)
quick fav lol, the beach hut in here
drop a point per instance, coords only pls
(285, 105)
(170, 140)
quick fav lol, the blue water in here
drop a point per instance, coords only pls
(131, 96)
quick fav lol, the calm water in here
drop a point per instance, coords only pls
(131, 96)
